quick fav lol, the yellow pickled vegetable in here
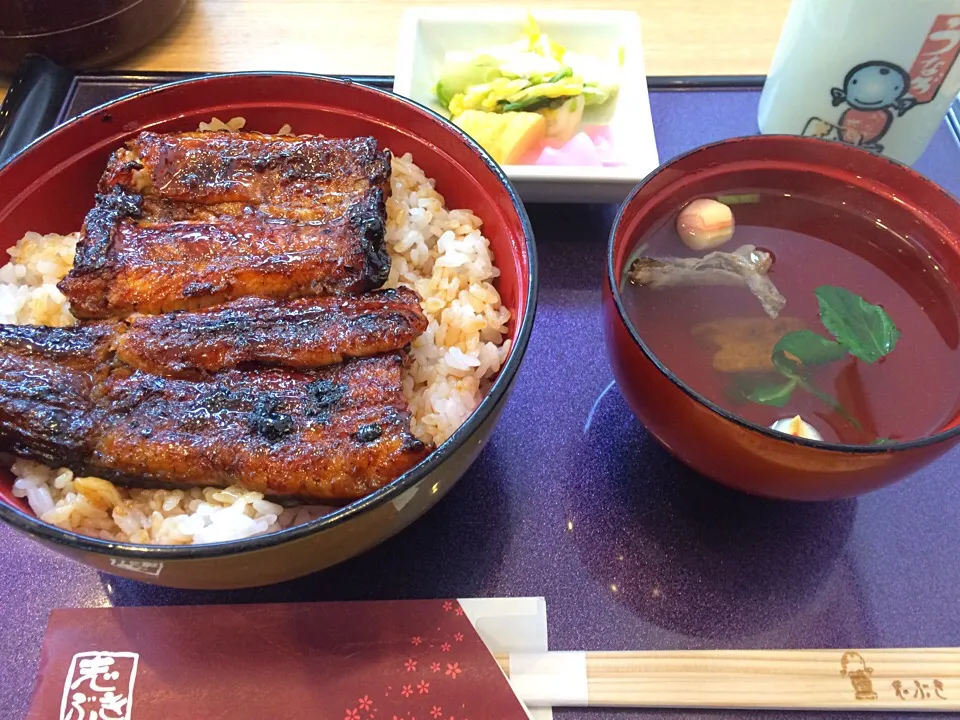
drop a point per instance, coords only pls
(506, 136)
(563, 121)
(538, 42)
(486, 96)
(567, 87)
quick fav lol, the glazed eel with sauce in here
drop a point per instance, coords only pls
(232, 330)
(191, 220)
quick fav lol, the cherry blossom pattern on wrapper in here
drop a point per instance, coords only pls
(442, 653)
(366, 705)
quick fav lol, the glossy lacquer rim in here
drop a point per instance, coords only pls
(34, 526)
(614, 288)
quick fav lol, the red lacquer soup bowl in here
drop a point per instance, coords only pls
(50, 186)
(708, 438)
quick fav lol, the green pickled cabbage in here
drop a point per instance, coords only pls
(533, 74)
(458, 77)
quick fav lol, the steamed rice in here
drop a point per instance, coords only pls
(438, 252)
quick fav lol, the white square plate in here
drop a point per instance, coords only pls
(427, 34)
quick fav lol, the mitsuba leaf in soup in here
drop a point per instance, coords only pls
(864, 329)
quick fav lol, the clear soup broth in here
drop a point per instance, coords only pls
(897, 384)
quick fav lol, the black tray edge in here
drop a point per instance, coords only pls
(42, 92)
(384, 82)
(32, 104)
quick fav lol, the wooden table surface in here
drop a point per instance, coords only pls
(681, 37)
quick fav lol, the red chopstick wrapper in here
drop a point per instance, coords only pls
(396, 660)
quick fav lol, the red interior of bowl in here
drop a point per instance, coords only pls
(51, 186)
(872, 186)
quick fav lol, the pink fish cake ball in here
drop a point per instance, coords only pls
(705, 224)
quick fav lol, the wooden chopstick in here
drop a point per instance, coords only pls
(904, 680)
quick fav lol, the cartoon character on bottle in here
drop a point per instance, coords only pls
(873, 92)
(877, 92)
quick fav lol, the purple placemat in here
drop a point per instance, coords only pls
(574, 501)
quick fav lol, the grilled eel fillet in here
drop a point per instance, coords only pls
(185, 221)
(304, 333)
(331, 434)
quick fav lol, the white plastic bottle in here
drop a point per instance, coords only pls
(879, 74)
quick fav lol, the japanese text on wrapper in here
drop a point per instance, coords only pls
(99, 686)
